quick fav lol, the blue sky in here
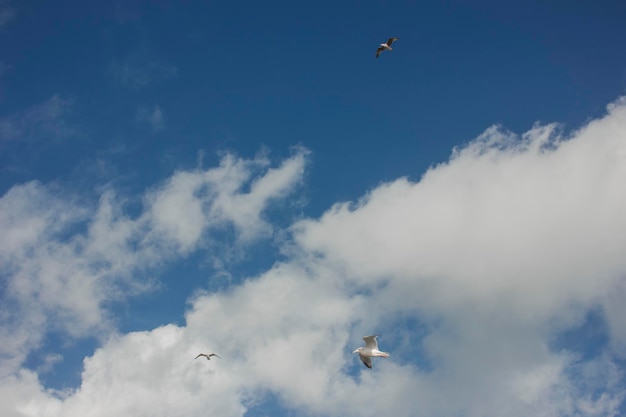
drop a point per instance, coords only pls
(247, 178)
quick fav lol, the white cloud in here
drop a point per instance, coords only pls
(505, 219)
(615, 311)
(493, 254)
(62, 259)
(192, 200)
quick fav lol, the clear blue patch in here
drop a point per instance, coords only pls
(405, 342)
(588, 340)
(66, 373)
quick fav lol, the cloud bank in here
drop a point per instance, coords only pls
(472, 275)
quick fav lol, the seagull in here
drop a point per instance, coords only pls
(208, 357)
(369, 351)
(386, 45)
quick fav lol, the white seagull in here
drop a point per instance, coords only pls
(385, 46)
(207, 356)
(369, 351)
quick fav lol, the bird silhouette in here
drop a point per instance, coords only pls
(208, 357)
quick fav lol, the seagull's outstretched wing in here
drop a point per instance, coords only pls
(379, 50)
(207, 356)
(391, 40)
(367, 361)
(371, 342)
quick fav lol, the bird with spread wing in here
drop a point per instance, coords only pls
(207, 356)
(385, 46)
(370, 351)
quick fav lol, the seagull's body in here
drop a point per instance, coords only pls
(385, 46)
(370, 351)
(208, 357)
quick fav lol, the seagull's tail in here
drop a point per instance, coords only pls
(380, 354)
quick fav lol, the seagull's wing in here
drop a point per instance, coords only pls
(379, 50)
(391, 40)
(215, 354)
(370, 342)
(200, 354)
(367, 361)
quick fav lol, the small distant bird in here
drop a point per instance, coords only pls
(386, 46)
(208, 357)
(369, 351)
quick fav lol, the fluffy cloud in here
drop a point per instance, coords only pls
(192, 200)
(533, 221)
(61, 259)
(471, 274)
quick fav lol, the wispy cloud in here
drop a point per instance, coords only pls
(190, 201)
(153, 117)
(494, 253)
(7, 13)
(42, 121)
(141, 70)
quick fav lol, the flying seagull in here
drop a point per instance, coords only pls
(207, 356)
(386, 45)
(369, 351)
